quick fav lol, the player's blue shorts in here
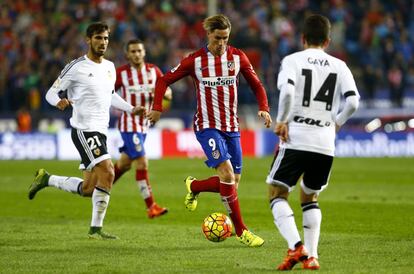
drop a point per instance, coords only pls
(220, 146)
(133, 144)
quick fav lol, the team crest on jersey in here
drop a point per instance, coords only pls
(97, 152)
(230, 65)
(215, 154)
(56, 83)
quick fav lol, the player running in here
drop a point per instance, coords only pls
(214, 70)
(311, 83)
(135, 83)
(87, 84)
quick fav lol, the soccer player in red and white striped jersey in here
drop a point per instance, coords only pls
(135, 83)
(215, 70)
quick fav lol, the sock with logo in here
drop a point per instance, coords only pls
(100, 201)
(141, 177)
(285, 221)
(312, 218)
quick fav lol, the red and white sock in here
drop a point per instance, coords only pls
(211, 184)
(141, 177)
(118, 173)
(230, 200)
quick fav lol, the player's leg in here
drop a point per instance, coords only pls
(314, 181)
(213, 146)
(44, 179)
(121, 166)
(83, 187)
(285, 171)
(104, 172)
(141, 177)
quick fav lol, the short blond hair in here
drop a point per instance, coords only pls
(218, 21)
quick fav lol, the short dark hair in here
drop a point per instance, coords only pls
(133, 41)
(316, 29)
(96, 27)
(219, 21)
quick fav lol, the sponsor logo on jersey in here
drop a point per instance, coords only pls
(310, 121)
(138, 88)
(218, 81)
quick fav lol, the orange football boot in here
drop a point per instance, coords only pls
(156, 211)
(293, 257)
(311, 263)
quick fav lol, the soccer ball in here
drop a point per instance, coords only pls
(217, 227)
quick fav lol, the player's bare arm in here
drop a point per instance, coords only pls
(282, 130)
(266, 117)
(63, 104)
(154, 116)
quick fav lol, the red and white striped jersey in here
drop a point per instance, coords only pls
(136, 87)
(216, 80)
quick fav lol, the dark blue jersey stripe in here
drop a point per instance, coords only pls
(70, 65)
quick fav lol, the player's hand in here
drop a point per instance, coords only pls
(266, 116)
(337, 128)
(139, 110)
(63, 103)
(282, 130)
(168, 94)
(154, 116)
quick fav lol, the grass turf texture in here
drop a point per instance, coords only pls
(367, 224)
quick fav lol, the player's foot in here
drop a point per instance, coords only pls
(190, 199)
(250, 239)
(293, 257)
(96, 233)
(311, 263)
(156, 211)
(40, 181)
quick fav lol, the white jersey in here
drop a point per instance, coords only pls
(89, 86)
(319, 81)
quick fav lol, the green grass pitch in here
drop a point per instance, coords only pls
(367, 226)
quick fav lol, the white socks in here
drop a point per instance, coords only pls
(284, 220)
(69, 184)
(144, 189)
(100, 201)
(312, 218)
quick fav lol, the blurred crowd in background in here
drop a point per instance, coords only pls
(38, 37)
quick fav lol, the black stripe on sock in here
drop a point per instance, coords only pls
(103, 190)
(310, 205)
(80, 192)
(276, 200)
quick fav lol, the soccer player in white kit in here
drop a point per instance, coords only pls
(87, 84)
(311, 84)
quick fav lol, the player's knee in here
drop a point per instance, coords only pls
(141, 163)
(276, 191)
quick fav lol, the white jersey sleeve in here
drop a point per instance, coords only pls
(61, 84)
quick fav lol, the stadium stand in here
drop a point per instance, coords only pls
(38, 37)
